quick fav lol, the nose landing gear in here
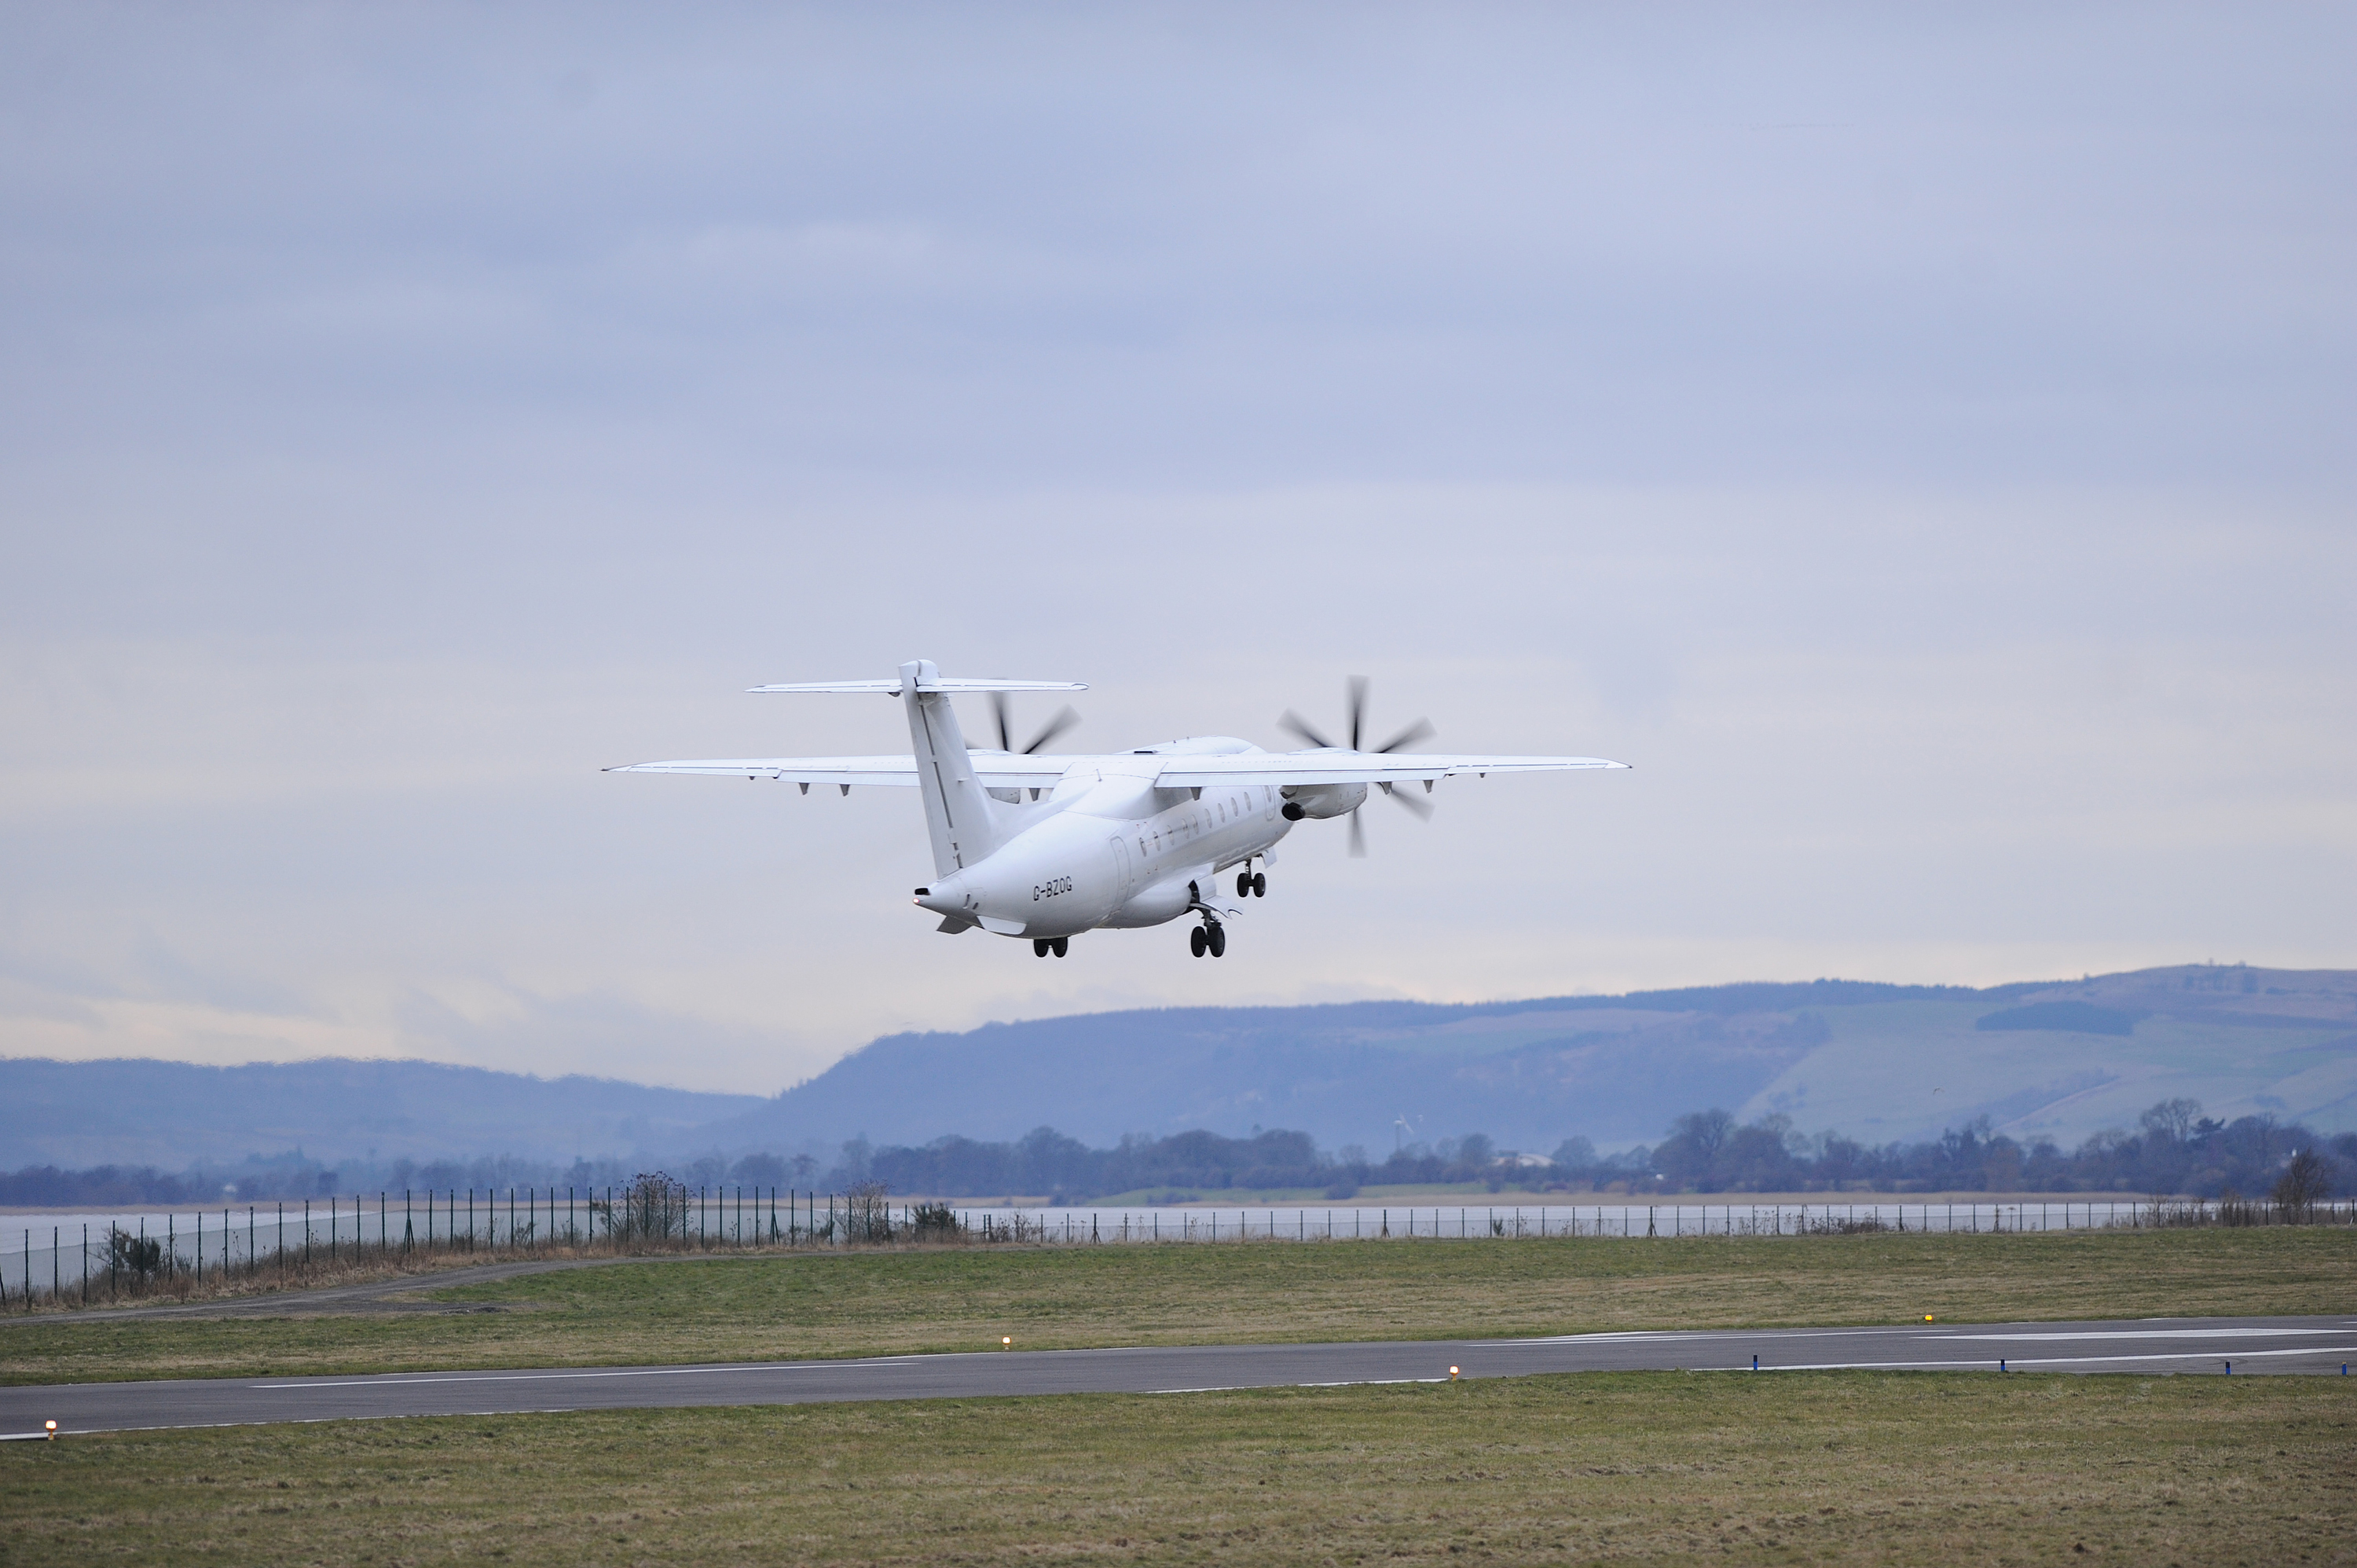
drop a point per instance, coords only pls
(1251, 883)
(1043, 946)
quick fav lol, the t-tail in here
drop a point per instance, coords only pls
(966, 823)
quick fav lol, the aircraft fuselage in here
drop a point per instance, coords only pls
(1108, 849)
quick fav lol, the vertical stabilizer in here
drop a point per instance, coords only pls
(963, 820)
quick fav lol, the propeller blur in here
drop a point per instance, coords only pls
(1123, 839)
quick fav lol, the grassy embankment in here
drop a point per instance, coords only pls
(865, 1303)
(1858, 1468)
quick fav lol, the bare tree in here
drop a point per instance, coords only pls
(2306, 1182)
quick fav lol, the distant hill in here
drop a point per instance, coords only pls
(1877, 1062)
(173, 1114)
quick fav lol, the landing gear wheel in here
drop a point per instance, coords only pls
(1244, 883)
(1060, 944)
(1038, 947)
(1218, 942)
(1260, 884)
(1197, 941)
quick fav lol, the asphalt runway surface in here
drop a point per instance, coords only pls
(2147, 1347)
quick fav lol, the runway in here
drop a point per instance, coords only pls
(2147, 1347)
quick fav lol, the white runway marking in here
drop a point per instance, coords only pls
(1257, 1388)
(2145, 1334)
(2063, 1360)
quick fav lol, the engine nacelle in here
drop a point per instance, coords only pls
(1322, 800)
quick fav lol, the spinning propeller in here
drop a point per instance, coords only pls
(1066, 718)
(1420, 730)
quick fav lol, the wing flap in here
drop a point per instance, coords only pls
(1352, 768)
(792, 769)
(998, 768)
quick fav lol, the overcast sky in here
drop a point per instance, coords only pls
(1919, 439)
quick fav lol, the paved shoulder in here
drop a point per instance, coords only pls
(2152, 1346)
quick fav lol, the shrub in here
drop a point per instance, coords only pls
(935, 1222)
(138, 1258)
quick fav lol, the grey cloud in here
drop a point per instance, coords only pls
(1917, 439)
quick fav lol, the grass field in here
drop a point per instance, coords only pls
(1856, 1468)
(848, 1304)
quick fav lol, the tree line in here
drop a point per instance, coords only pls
(2173, 1149)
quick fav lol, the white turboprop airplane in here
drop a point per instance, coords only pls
(1127, 839)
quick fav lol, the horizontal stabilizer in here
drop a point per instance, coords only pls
(938, 684)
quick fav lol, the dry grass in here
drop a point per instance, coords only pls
(324, 1271)
(1853, 1467)
(957, 1299)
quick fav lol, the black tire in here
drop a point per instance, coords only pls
(1244, 883)
(1197, 941)
(1060, 944)
(1038, 947)
(1219, 941)
(1260, 884)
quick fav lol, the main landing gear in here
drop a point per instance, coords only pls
(1210, 937)
(1252, 884)
(1043, 946)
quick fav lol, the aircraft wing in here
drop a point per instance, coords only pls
(997, 769)
(1352, 768)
